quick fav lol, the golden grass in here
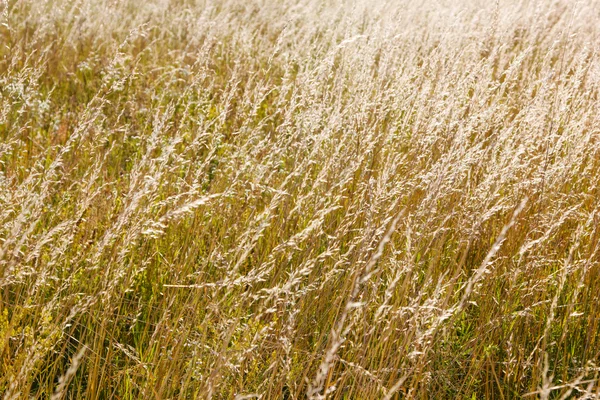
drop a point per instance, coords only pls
(341, 199)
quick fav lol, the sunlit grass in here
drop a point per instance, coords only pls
(299, 199)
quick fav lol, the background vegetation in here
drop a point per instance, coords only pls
(290, 199)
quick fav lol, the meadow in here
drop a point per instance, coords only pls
(299, 199)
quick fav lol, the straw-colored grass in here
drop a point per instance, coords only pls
(292, 199)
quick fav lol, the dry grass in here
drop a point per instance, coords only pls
(291, 199)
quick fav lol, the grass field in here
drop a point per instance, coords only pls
(299, 199)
